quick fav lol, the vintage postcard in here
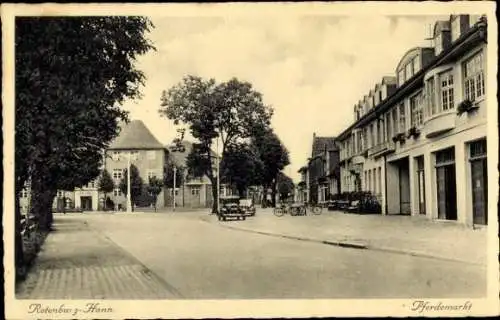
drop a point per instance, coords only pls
(250, 160)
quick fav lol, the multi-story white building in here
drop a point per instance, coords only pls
(419, 144)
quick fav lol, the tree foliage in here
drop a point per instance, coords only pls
(154, 188)
(72, 73)
(241, 167)
(285, 186)
(273, 155)
(106, 183)
(228, 111)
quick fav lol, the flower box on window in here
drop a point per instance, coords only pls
(413, 132)
(399, 137)
(466, 106)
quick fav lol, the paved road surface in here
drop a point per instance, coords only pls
(201, 260)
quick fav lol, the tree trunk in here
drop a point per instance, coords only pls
(273, 193)
(215, 194)
(18, 242)
(42, 199)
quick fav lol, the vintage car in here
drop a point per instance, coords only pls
(247, 206)
(230, 209)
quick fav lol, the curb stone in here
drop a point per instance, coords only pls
(352, 245)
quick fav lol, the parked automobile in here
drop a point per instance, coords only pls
(247, 206)
(230, 209)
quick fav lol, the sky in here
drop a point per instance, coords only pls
(312, 69)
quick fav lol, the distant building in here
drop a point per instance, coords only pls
(146, 153)
(320, 178)
(194, 192)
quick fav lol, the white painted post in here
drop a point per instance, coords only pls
(218, 176)
(175, 184)
(129, 196)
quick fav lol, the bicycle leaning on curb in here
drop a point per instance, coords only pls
(297, 209)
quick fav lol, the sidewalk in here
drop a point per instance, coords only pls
(78, 263)
(398, 234)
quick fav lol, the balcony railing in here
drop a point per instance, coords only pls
(382, 149)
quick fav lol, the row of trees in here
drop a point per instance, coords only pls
(72, 74)
(141, 192)
(233, 113)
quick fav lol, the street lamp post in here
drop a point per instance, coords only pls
(175, 178)
(129, 196)
(218, 175)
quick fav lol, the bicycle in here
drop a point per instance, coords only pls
(314, 208)
(292, 210)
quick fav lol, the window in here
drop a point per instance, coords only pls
(117, 192)
(477, 149)
(474, 77)
(447, 98)
(395, 121)
(388, 125)
(380, 130)
(417, 117)
(431, 97)
(116, 155)
(151, 155)
(195, 191)
(409, 71)
(24, 193)
(402, 118)
(401, 76)
(365, 138)
(117, 174)
(416, 64)
(445, 156)
(373, 133)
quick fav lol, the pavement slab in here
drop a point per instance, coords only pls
(77, 262)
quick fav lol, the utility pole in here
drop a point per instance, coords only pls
(129, 196)
(175, 189)
(218, 175)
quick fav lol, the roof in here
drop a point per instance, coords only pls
(135, 135)
(180, 158)
(321, 144)
(457, 48)
(389, 80)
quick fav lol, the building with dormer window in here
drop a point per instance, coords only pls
(427, 136)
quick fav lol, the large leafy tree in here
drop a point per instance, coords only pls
(105, 185)
(72, 73)
(241, 167)
(225, 111)
(285, 186)
(273, 155)
(136, 184)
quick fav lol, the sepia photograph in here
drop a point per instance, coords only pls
(250, 160)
